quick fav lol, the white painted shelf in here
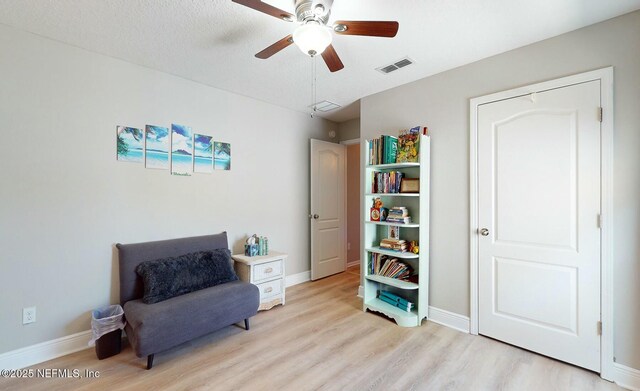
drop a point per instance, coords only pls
(397, 254)
(392, 281)
(418, 206)
(393, 194)
(392, 165)
(402, 318)
(410, 225)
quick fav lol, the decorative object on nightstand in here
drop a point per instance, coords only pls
(267, 273)
(256, 246)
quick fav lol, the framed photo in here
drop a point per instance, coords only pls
(393, 232)
(410, 185)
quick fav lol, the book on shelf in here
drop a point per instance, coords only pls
(398, 212)
(398, 220)
(402, 149)
(386, 182)
(405, 305)
(396, 298)
(408, 148)
(386, 266)
(390, 149)
(394, 244)
(395, 304)
(383, 150)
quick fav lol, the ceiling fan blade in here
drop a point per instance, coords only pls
(267, 9)
(275, 48)
(369, 28)
(331, 58)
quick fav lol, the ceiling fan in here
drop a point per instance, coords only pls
(313, 36)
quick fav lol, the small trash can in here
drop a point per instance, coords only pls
(107, 324)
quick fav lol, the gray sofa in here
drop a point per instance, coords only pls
(153, 328)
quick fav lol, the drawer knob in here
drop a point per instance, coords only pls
(268, 289)
(268, 270)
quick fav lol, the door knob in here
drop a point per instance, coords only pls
(484, 232)
(315, 216)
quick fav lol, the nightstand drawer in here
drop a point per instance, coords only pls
(267, 270)
(270, 289)
(267, 273)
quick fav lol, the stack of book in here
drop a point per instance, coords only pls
(383, 150)
(398, 215)
(396, 300)
(386, 182)
(383, 265)
(394, 244)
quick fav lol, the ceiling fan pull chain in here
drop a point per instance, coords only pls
(313, 86)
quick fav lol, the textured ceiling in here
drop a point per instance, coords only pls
(214, 41)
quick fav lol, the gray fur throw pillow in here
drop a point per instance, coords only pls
(170, 277)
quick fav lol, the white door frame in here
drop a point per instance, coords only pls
(605, 75)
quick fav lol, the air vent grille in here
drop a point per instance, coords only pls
(395, 66)
(403, 63)
(389, 68)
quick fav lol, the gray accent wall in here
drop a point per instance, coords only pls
(442, 103)
(65, 200)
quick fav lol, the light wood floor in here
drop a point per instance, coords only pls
(321, 340)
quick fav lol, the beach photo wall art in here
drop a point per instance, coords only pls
(181, 150)
(222, 156)
(203, 153)
(156, 148)
(129, 144)
(177, 148)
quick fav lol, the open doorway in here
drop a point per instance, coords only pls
(353, 202)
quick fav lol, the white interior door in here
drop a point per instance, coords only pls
(328, 209)
(538, 213)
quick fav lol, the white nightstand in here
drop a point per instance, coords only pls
(267, 273)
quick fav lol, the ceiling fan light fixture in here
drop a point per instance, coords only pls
(312, 38)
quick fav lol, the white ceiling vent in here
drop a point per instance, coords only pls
(325, 106)
(395, 66)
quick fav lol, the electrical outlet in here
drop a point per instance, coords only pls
(28, 315)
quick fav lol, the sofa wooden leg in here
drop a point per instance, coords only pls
(149, 361)
(246, 324)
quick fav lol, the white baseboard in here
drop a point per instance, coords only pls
(296, 279)
(449, 319)
(45, 351)
(361, 292)
(626, 377)
(353, 263)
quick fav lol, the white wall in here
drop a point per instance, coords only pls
(442, 102)
(65, 200)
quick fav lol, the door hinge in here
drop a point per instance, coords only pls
(599, 328)
(599, 221)
(599, 114)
